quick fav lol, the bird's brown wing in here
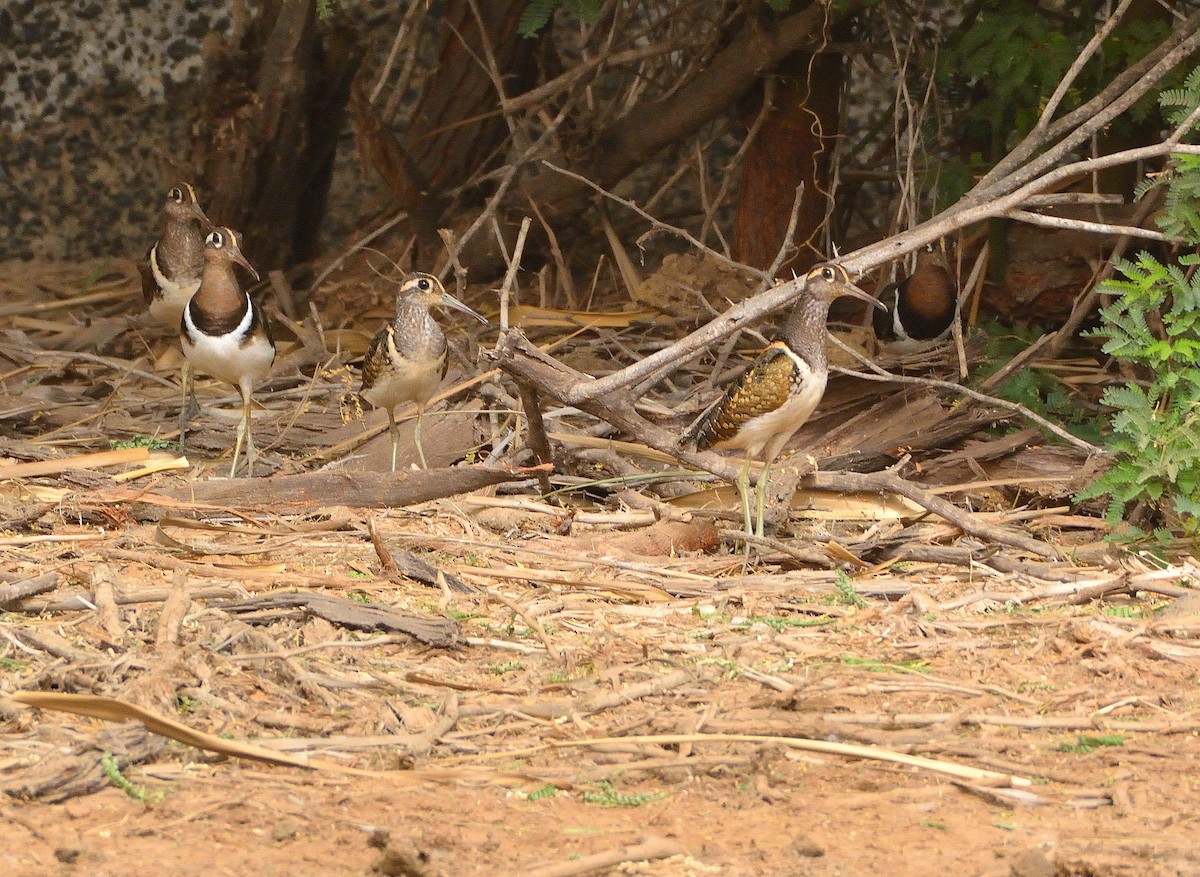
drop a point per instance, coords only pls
(762, 389)
(376, 360)
(149, 284)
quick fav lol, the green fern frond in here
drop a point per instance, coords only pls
(1155, 436)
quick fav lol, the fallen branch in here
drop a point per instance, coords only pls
(358, 489)
(441, 632)
(647, 850)
(516, 355)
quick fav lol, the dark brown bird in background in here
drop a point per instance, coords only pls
(172, 269)
(762, 410)
(406, 359)
(920, 307)
(226, 335)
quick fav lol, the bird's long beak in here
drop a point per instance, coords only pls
(237, 256)
(851, 290)
(199, 214)
(451, 302)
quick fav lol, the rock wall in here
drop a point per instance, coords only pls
(94, 100)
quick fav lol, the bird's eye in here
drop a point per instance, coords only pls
(176, 196)
(827, 273)
(215, 239)
(423, 285)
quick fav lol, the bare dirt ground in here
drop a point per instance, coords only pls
(551, 688)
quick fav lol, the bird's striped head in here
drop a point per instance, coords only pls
(225, 245)
(183, 203)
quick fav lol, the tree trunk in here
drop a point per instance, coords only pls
(794, 147)
(266, 132)
(457, 128)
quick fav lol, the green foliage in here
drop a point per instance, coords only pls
(846, 592)
(536, 14)
(913, 665)
(112, 770)
(506, 667)
(547, 791)
(1020, 56)
(1155, 427)
(1086, 743)
(1180, 217)
(779, 623)
(1123, 611)
(607, 796)
(1038, 391)
(1154, 325)
(997, 71)
(152, 442)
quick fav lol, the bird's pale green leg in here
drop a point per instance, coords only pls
(417, 437)
(190, 406)
(394, 433)
(237, 446)
(251, 451)
(760, 491)
(743, 486)
(245, 437)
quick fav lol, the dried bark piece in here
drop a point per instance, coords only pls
(440, 632)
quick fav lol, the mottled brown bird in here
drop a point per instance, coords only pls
(920, 307)
(406, 359)
(172, 269)
(226, 335)
(762, 410)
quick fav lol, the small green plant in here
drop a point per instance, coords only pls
(730, 669)
(94, 277)
(112, 770)
(1085, 743)
(846, 590)
(506, 667)
(1154, 325)
(582, 671)
(186, 705)
(536, 14)
(1034, 388)
(151, 442)
(547, 791)
(607, 796)
(779, 623)
(913, 665)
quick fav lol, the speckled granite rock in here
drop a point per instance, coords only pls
(95, 102)
(61, 51)
(93, 98)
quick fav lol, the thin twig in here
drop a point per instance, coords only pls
(882, 375)
(1078, 64)
(1084, 225)
(659, 224)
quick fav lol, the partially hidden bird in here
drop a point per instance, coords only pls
(225, 334)
(406, 359)
(172, 269)
(920, 307)
(776, 396)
